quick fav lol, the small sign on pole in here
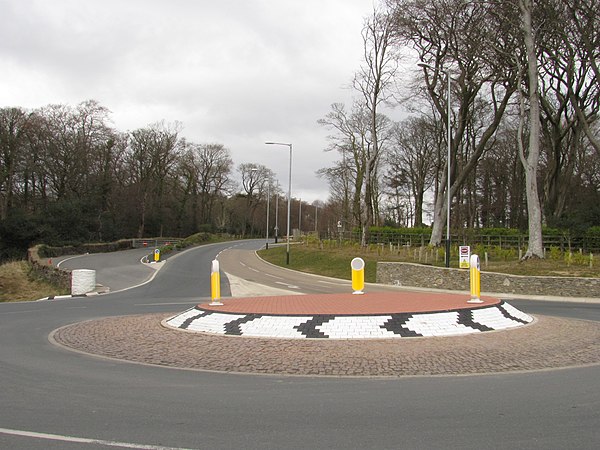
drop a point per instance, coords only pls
(464, 256)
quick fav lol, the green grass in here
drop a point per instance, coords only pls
(18, 283)
(333, 259)
(320, 262)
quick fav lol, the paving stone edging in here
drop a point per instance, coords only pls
(422, 276)
(547, 344)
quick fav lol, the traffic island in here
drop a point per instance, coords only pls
(378, 315)
(548, 343)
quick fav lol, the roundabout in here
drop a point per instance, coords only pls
(323, 335)
(346, 316)
(119, 375)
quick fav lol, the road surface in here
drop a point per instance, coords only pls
(54, 398)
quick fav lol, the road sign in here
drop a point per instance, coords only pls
(464, 255)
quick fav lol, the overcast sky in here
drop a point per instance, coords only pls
(239, 73)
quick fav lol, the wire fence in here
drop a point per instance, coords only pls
(565, 243)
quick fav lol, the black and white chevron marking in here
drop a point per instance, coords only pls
(405, 325)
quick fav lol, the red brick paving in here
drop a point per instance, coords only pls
(374, 303)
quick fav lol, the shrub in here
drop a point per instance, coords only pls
(555, 253)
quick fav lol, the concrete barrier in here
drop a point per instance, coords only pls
(83, 281)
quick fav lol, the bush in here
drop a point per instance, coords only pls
(555, 253)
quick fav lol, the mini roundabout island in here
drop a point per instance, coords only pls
(378, 334)
(380, 315)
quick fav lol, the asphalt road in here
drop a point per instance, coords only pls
(80, 401)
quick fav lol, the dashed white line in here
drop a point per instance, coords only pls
(273, 276)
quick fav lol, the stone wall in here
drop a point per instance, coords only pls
(418, 275)
(40, 255)
(60, 278)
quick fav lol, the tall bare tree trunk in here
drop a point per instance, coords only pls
(439, 212)
(530, 162)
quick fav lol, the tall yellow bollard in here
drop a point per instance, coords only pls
(475, 274)
(215, 284)
(358, 275)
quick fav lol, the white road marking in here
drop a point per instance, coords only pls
(165, 304)
(273, 276)
(67, 259)
(291, 286)
(78, 440)
(20, 312)
(335, 284)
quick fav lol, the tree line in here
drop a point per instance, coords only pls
(509, 89)
(67, 176)
(517, 82)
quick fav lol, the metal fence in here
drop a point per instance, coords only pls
(509, 241)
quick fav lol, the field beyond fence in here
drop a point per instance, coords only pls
(501, 238)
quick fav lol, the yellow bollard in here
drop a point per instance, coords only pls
(215, 284)
(358, 275)
(157, 255)
(475, 274)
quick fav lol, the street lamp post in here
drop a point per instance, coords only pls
(448, 139)
(300, 218)
(276, 215)
(268, 205)
(287, 256)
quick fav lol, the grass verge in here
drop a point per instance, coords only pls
(334, 261)
(18, 283)
(326, 263)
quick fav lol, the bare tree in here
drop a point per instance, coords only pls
(530, 159)
(256, 179)
(151, 155)
(351, 141)
(500, 183)
(215, 168)
(412, 158)
(375, 82)
(13, 150)
(451, 37)
(569, 98)
(203, 172)
(584, 27)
